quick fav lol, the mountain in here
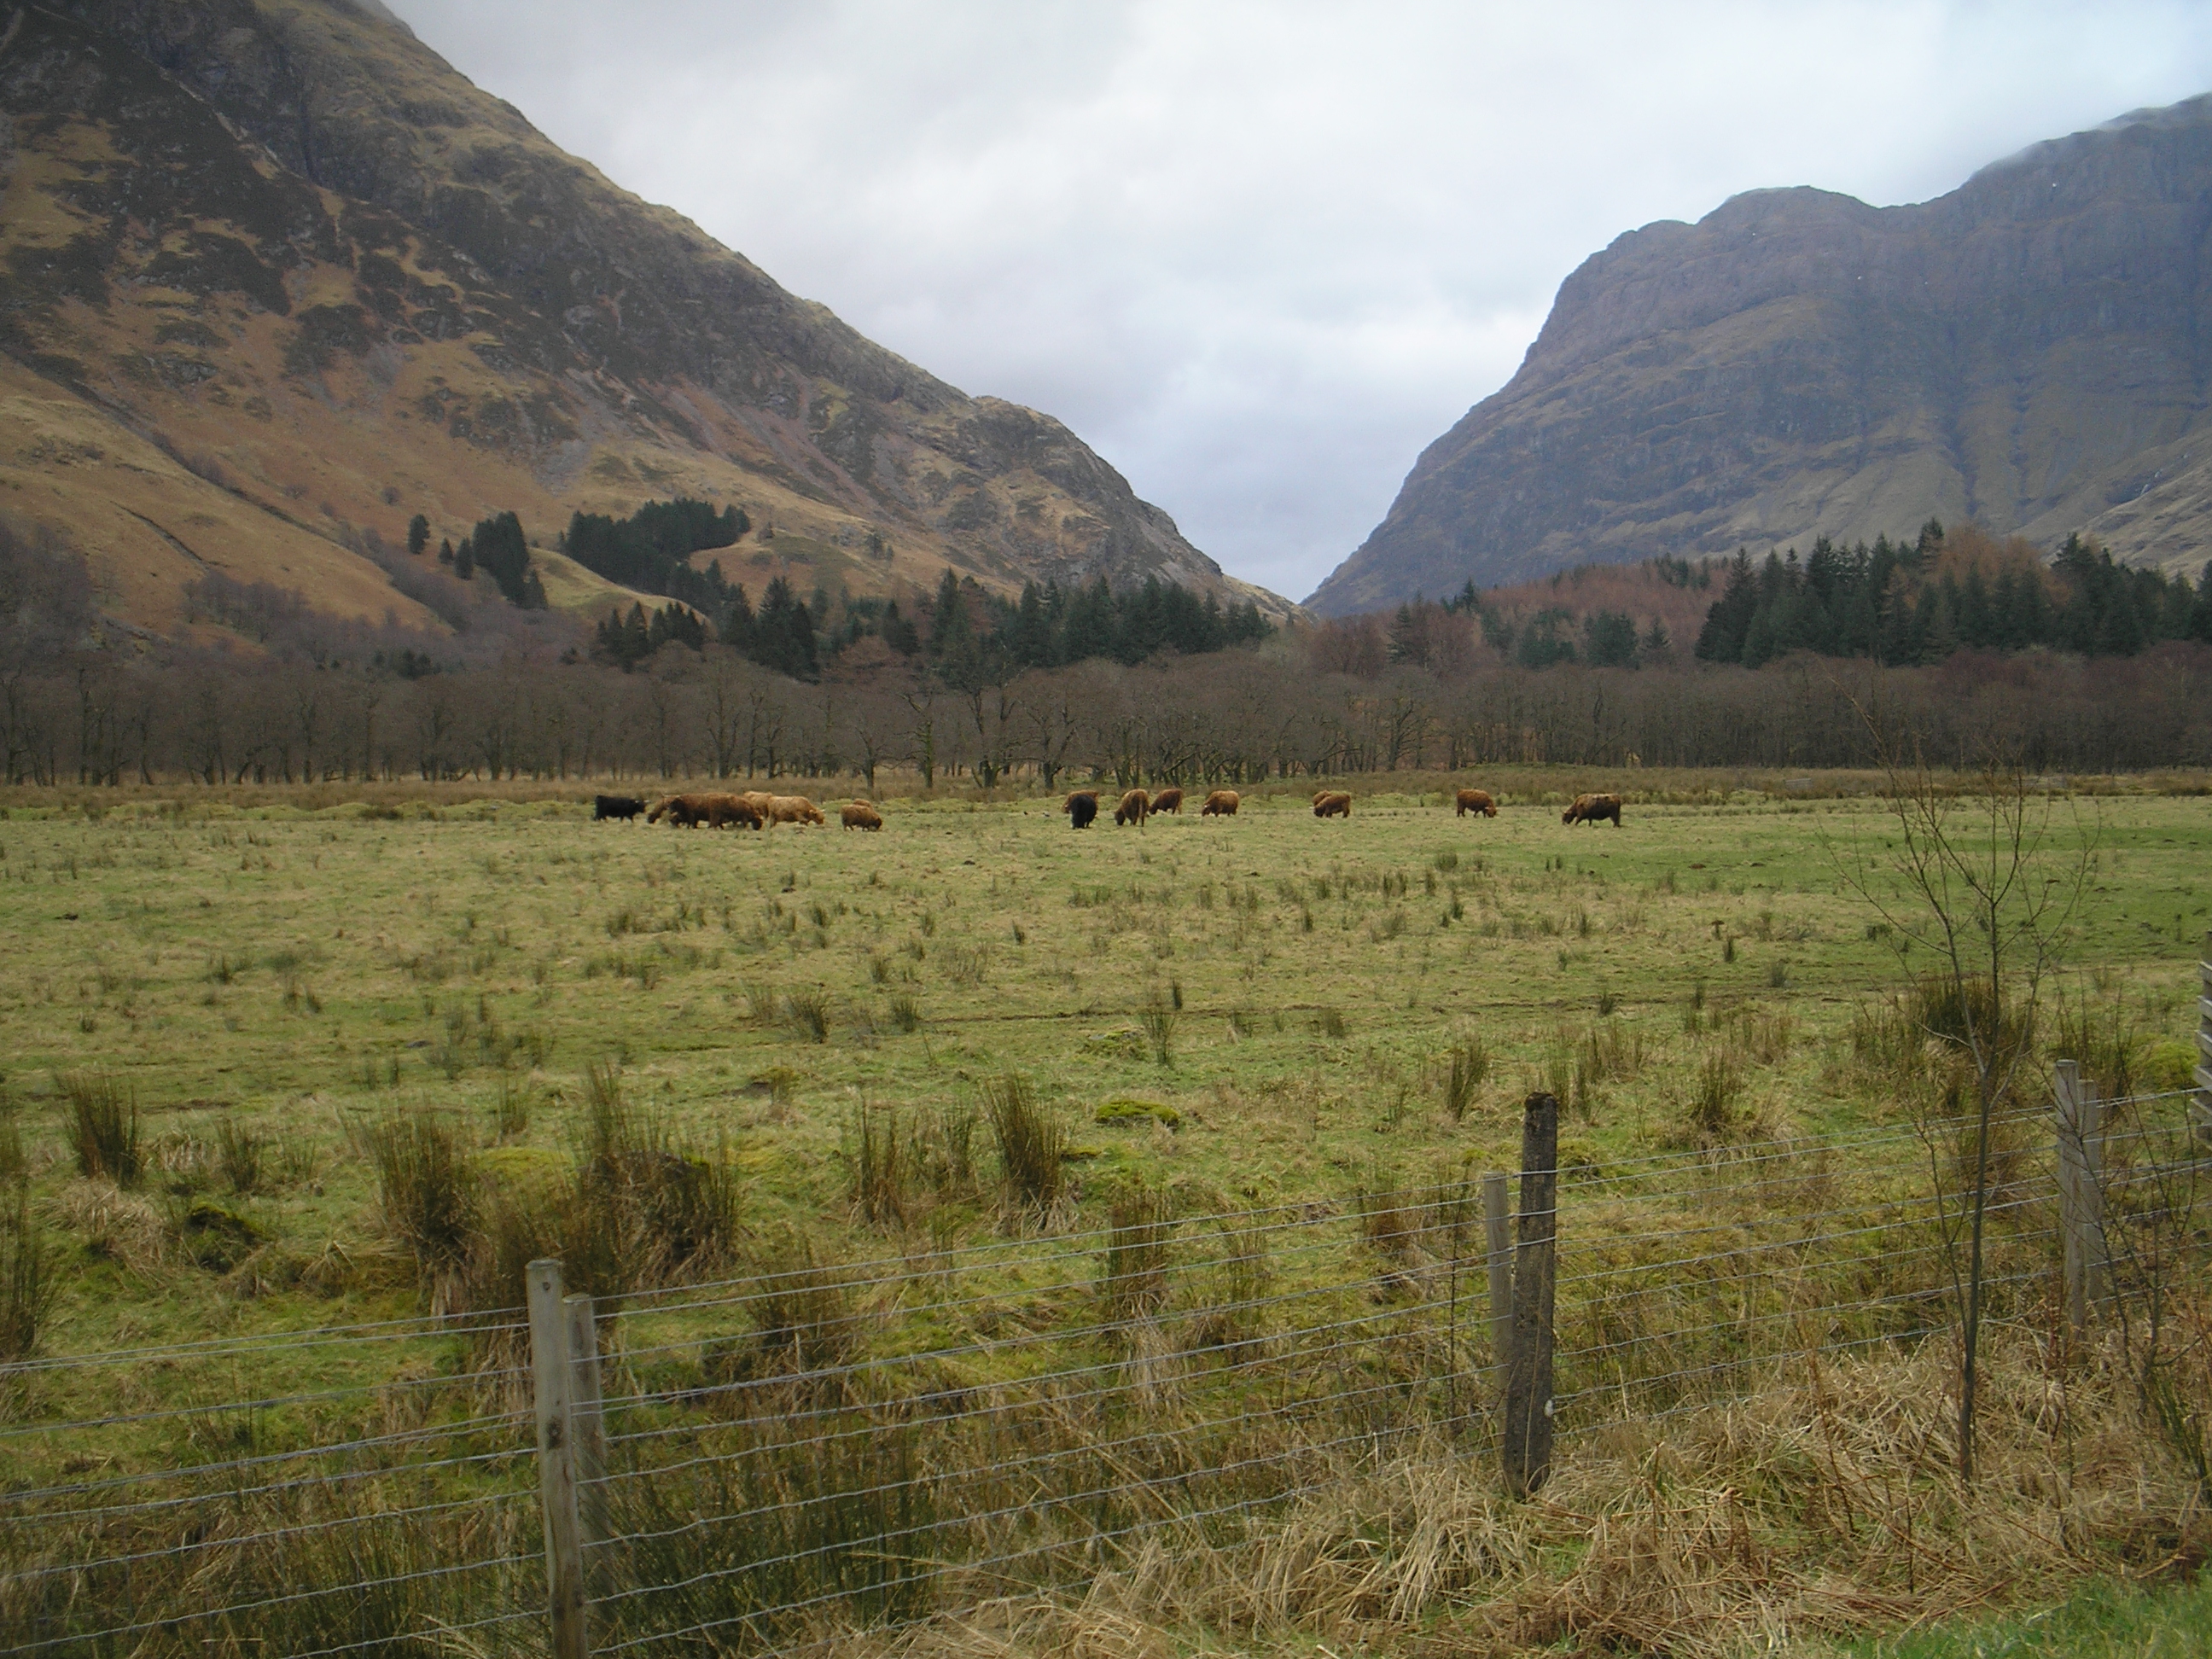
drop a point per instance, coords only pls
(274, 278)
(2029, 351)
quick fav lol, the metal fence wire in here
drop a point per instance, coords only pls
(772, 1462)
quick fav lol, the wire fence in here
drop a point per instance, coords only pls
(818, 1447)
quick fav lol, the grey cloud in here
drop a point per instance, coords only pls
(1259, 255)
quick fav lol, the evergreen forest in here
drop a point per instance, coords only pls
(1904, 603)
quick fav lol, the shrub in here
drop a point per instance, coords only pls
(877, 1164)
(1712, 1107)
(944, 1151)
(801, 1305)
(510, 1112)
(653, 1210)
(28, 1283)
(103, 1127)
(239, 1154)
(431, 1195)
(1470, 1064)
(1032, 1143)
(1133, 1279)
(807, 1012)
(1159, 1020)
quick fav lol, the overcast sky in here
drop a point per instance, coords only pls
(1259, 255)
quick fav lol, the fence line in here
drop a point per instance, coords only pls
(993, 1416)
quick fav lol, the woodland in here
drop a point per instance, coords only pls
(2080, 666)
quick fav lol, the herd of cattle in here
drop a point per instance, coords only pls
(755, 810)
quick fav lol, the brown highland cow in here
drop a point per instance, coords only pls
(858, 814)
(1332, 804)
(1476, 800)
(1136, 806)
(1221, 803)
(1591, 809)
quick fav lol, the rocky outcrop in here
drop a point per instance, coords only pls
(233, 218)
(2030, 351)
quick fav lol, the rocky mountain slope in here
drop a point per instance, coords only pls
(2030, 351)
(274, 278)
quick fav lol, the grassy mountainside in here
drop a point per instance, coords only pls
(2024, 352)
(328, 283)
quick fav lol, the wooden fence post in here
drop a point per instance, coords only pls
(1498, 1241)
(2081, 1191)
(553, 1382)
(1528, 1436)
(2203, 1101)
(584, 1411)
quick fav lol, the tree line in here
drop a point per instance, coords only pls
(1920, 602)
(511, 693)
(964, 634)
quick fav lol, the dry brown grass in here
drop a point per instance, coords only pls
(1821, 1507)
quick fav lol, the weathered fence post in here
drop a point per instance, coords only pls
(1497, 1242)
(1528, 1439)
(2081, 1191)
(553, 1381)
(584, 1413)
(2203, 1101)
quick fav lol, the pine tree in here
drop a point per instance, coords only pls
(418, 535)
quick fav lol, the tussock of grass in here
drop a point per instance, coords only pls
(103, 1126)
(29, 1280)
(1032, 1142)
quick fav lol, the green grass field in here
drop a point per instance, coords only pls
(1257, 1011)
(1290, 991)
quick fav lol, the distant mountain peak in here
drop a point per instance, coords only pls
(2023, 351)
(333, 284)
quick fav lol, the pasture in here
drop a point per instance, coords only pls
(1251, 1009)
(943, 1093)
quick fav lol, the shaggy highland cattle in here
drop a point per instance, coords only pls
(1136, 806)
(1169, 800)
(1081, 807)
(728, 809)
(1476, 800)
(625, 807)
(858, 814)
(791, 809)
(1221, 803)
(1332, 804)
(688, 810)
(1591, 809)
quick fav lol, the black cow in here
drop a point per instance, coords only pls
(1081, 808)
(616, 806)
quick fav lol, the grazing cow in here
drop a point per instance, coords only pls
(688, 810)
(1589, 809)
(1332, 804)
(1221, 803)
(625, 807)
(1476, 800)
(1169, 800)
(858, 814)
(1136, 806)
(1081, 807)
(726, 809)
(791, 809)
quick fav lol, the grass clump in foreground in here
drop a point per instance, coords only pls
(1773, 1523)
